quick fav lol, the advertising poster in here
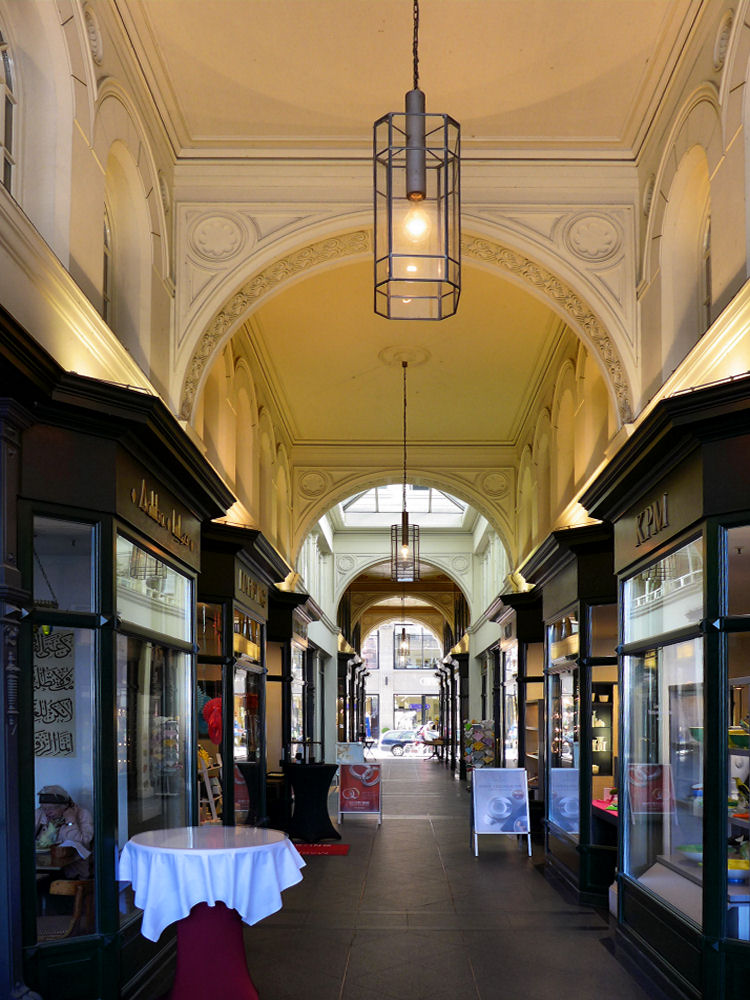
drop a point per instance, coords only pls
(359, 789)
(564, 798)
(500, 799)
(54, 694)
(350, 753)
(650, 789)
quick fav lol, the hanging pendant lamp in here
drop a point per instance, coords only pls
(416, 159)
(404, 536)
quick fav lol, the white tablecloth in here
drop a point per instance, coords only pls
(173, 870)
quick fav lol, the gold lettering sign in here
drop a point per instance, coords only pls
(251, 588)
(148, 501)
(651, 520)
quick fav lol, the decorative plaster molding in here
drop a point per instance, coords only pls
(93, 34)
(648, 194)
(269, 278)
(565, 298)
(355, 243)
(495, 484)
(313, 484)
(592, 237)
(722, 40)
(216, 237)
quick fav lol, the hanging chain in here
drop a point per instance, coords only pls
(416, 44)
(404, 364)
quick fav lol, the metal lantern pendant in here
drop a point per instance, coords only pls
(417, 209)
(404, 536)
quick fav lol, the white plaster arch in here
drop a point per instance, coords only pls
(43, 119)
(130, 259)
(524, 503)
(365, 562)
(562, 480)
(117, 118)
(246, 448)
(542, 476)
(686, 215)
(266, 460)
(698, 123)
(418, 615)
(548, 277)
(593, 416)
(735, 72)
(283, 500)
(334, 493)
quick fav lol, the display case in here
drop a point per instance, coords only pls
(237, 569)
(681, 514)
(573, 571)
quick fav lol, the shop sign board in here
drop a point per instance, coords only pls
(564, 800)
(650, 789)
(500, 802)
(360, 790)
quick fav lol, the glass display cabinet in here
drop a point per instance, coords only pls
(573, 571)
(677, 496)
(237, 571)
(109, 547)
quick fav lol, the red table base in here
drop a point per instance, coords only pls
(211, 960)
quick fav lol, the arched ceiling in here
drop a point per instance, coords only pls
(375, 597)
(335, 367)
(269, 105)
(240, 76)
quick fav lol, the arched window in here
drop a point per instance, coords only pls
(7, 111)
(107, 270)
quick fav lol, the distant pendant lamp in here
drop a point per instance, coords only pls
(404, 536)
(416, 160)
(403, 646)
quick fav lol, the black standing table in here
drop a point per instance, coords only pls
(310, 784)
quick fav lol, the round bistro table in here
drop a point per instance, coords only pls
(209, 879)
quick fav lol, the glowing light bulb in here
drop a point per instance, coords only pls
(417, 224)
(404, 551)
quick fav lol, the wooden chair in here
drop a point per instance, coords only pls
(55, 928)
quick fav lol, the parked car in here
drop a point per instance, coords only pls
(396, 739)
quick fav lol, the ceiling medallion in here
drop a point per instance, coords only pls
(399, 355)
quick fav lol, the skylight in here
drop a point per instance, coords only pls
(377, 506)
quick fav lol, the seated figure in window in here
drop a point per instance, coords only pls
(59, 822)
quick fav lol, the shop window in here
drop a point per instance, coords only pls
(153, 697)
(298, 684)
(738, 558)
(150, 594)
(738, 737)
(371, 651)
(666, 596)
(372, 716)
(414, 648)
(564, 701)
(63, 565)
(209, 632)
(603, 630)
(663, 773)
(153, 736)
(64, 709)
(7, 113)
(410, 711)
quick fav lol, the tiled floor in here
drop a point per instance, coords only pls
(411, 914)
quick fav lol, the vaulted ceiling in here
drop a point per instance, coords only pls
(252, 85)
